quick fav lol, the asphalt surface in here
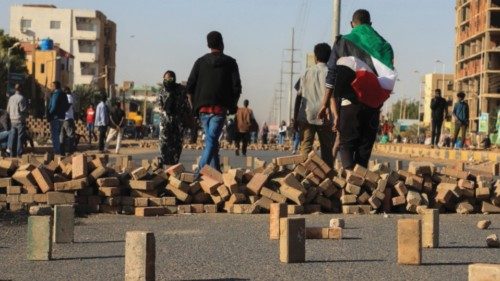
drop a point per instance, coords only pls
(236, 247)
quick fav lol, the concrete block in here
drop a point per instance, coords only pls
(409, 242)
(430, 228)
(140, 256)
(292, 245)
(40, 238)
(276, 212)
(484, 272)
(64, 223)
(323, 233)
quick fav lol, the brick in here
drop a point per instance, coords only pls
(375, 202)
(334, 223)
(245, 209)
(201, 198)
(409, 242)
(264, 203)
(4, 182)
(464, 208)
(209, 208)
(97, 173)
(482, 193)
(489, 208)
(312, 208)
(127, 201)
(430, 228)
(40, 198)
(142, 193)
(71, 185)
(312, 192)
(175, 170)
(149, 211)
(313, 179)
(64, 224)
(444, 197)
(274, 196)
(292, 240)
(291, 181)
(323, 233)
(352, 189)
(13, 198)
(484, 272)
(197, 208)
(468, 184)
(109, 191)
(14, 207)
(363, 198)
(168, 201)
(110, 181)
(194, 188)
(401, 189)
(139, 173)
(237, 174)
(338, 182)
(79, 166)
(184, 209)
(360, 171)
(327, 187)
(276, 212)
(290, 160)
(229, 181)
(223, 192)
(295, 210)
(12, 190)
(380, 195)
(179, 194)
(26, 198)
(141, 185)
(24, 177)
(300, 170)
(292, 194)
(398, 200)
(212, 173)
(140, 256)
(60, 198)
(39, 238)
(141, 202)
(354, 179)
(348, 199)
(356, 209)
(155, 202)
(209, 185)
(188, 177)
(413, 198)
(420, 168)
(256, 183)
(454, 173)
(414, 182)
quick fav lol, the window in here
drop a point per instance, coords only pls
(55, 24)
(25, 24)
(87, 46)
(42, 68)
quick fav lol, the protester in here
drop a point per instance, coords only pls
(308, 103)
(361, 74)
(90, 118)
(102, 120)
(282, 132)
(17, 111)
(214, 88)
(58, 106)
(230, 131)
(439, 108)
(138, 126)
(244, 119)
(461, 115)
(116, 124)
(5, 127)
(265, 133)
(174, 105)
(68, 129)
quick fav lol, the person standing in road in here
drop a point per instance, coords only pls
(282, 132)
(213, 87)
(102, 121)
(17, 110)
(58, 105)
(461, 115)
(439, 109)
(90, 118)
(116, 124)
(68, 129)
(265, 133)
(174, 107)
(244, 120)
(308, 103)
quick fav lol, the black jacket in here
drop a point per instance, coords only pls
(215, 80)
(439, 108)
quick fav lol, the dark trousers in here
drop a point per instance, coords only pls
(436, 131)
(459, 126)
(102, 137)
(67, 137)
(243, 138)
(358, 126)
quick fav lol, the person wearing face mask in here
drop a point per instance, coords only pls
(439, 108)
(174, 109)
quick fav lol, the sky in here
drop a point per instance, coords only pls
(156, 35)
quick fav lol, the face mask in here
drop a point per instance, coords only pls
(168, 82)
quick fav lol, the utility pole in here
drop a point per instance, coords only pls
(292, 51)
(336, 20)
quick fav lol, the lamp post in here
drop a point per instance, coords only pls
(9, 50)
(419, 102)
(439, 61)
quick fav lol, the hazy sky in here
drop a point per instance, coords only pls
(156, 35)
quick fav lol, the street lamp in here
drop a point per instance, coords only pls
(419, 102)
(438, 61)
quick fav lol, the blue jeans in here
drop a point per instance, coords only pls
(16, 139)
(212, 126)
(281, 138)
(4, 139)
(296, 141)
(55, 131)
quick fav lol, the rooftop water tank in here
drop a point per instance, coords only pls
(46, 44)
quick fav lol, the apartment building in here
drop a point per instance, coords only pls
(477, 57)
(431, 82)
(87, 34)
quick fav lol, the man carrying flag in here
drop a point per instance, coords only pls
(360, 78)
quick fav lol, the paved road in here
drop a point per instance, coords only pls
(236, 247)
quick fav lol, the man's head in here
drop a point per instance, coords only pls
(91, 105)
(322, 52)
(103, 97)
(18, 87)
(246, 103)
(67, 90)
(214, 41)
(117, 104)
(437, 93)
(56, 85)
(169, 78)
(359, 17)
(461, 96)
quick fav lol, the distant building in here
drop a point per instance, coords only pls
(431, 82)
(477, 56)
(87, 34)
(48, 66)
(310, 60)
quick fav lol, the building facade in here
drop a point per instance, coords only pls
(477, 57)
(87, 34)
(431, 82)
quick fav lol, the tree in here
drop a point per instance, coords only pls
(84, 95)
(404, 109)
(16, 59)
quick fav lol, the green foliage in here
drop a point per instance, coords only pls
(16, 60)
(84, 95)
(409, 110)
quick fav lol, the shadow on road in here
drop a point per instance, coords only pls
(446, 263)
(351, 238)
(462, 247)
(221, 279)
(90, 258)
(334, 261)
(100, 242)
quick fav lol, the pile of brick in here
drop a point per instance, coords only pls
(94, 183)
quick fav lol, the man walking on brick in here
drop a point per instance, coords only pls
(214, 88)
(58, 106)
(361, 76)
(68, 129)
(117, 122)
(244, 121)
(102, 121)
(308, 103)
(461, 115)
(17, 111)
(439, 108)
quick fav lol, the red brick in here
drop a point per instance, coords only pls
(141, 185)
(209, 185)
(79, 166)
(110, 181)
(211, 172)
(256, 183)
(139, 173)
(149, 211)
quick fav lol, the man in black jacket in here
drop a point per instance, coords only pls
(213, 88)
(439, 108)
